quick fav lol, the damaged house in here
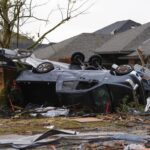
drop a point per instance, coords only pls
(121, 49)
(118, 27)
(85, 43)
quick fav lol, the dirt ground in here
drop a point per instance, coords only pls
(133, 124)
(109, 122)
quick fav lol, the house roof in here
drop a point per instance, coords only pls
(118, 27)
(126, 42)
(23, 43)
(84, 43)
(145, 48)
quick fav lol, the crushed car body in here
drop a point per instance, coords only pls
(92, 88)
(98, 90)
(28, 58)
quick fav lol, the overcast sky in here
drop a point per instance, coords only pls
(101, 14)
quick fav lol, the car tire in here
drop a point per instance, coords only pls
(123, 69)
(43, 67)
(77, 58)
(95, 60)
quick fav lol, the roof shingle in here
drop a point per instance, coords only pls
(126, 42)
(84, 43)
(118, 27)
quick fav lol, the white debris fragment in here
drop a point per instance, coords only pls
(50, 112)
(134, 147)
(147, 107)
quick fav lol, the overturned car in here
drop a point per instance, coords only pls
(97, 90)
(92, 88)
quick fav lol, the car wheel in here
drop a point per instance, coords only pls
(43, 67)
(95, 60)
(77, 58)
(123, 69)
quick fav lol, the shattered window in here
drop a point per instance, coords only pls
(69, 85)
(79, 85)
(86, 85)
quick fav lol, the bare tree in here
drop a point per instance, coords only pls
(9, 12)
(16, 13)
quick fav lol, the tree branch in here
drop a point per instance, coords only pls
(43, 36)
(14, 11)
(1, 43)
(30, 16)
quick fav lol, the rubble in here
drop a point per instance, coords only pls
(78, 140)
(136, 147)
(50, 112)
(86, 87)
(147, 107)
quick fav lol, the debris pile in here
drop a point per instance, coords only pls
(66, 139)
(85, 85)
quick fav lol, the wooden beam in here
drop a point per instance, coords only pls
(140, 54)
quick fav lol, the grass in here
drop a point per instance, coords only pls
(38, 125)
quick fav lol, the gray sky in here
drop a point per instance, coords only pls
(101, 14)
